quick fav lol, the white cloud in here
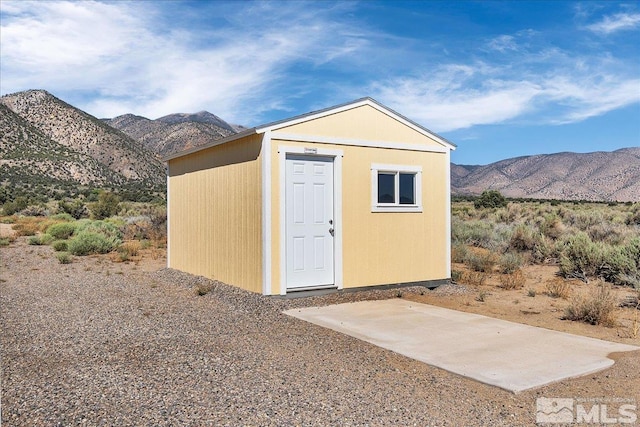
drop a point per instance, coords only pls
(122, 51)
(458, 96)
(589, 97)
(503, 43)
(617, 22)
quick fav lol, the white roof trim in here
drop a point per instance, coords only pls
(316, 139)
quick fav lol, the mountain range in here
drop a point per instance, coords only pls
(51, 148)
(599, 176)
(174, 132)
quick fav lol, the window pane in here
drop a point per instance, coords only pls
(407, 193)
(386, 188)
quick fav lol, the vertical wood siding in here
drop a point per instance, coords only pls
(215, 213)
(381, 247)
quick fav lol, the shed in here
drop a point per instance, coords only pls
(351, 196)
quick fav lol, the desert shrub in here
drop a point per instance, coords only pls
(544, 250)
(490, 199)
(105, 228)
(523, 238)
(515, 280)
(34, 240)
(34, 210)
(607, 233)
(481, 261)
(633, 217)
(108, 205)
(552, 226)
(459, 252)
(616, 262)
(509, 214)
(62, 230)
(10, 208)
(158, 217)
(62, 217)
(510, 262)
(6, 241)
(583, 220)
(531, 292)
(41, 239)
(60, 245)
(596, 308)
(580, 257)
(482, 234)
(64, 257)
(558, 288)
(75, 208)
(88, 242)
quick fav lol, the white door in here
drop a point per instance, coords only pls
(309, 221)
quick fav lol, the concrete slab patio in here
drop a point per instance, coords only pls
(508, 355)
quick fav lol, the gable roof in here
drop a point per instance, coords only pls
(315, 115)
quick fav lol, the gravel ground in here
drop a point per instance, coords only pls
(103, 344)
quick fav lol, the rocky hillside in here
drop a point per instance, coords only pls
(30, 158)
(47, 143)
(86, 134)
(599, 176)
(175, 132)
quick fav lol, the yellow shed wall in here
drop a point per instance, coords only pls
(362, 123)
(215, 213)
(379, 247)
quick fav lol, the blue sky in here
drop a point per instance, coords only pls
(499, 79)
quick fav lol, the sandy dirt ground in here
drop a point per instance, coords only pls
(161, 355)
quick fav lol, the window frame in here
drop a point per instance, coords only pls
(396, 170)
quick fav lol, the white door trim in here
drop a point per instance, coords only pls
(337, 206)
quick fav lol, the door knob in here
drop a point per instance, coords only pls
(331, 231)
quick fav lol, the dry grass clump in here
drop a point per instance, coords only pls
(558, 288)
(131, 248)
(515, 280)
(26, 228)
(476, 278)
(127, 250)
(596, 308)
